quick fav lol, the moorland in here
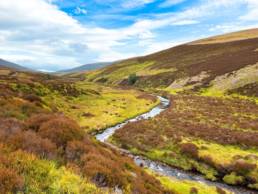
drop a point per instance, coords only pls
(48, 122)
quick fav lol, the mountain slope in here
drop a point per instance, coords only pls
(86, 67)
(205, 129)
(191, 66)
(241, 35)
(4, 63)
(44, 147)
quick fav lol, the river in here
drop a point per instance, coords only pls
(159, 167)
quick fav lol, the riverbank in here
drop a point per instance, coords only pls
(159, 167)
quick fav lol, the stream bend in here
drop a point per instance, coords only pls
(159, 167)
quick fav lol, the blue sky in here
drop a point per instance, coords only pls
(59, 34)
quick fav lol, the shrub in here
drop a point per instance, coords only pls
(242, 167)
(233, 179)
(35, 121)
(28, 109)
(189, 149)
(10, 181)
(61, 130)
(74, 150)
(10, 125)
(208, 160)
(29, 141)
(32, 98)
(132, 79)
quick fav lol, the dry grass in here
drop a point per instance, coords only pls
(246, 34)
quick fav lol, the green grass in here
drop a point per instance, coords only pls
(220, 154)
(43, 176)
(97, 111)
(122, 71)
(172, 156)
(223, 154)
(184, 186)
(148, 71)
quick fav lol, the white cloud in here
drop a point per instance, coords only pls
(169, 3)
(252, 14)
(124, 4)
(79, 11)
(154, 46)
(135, 3)
(111, 55)
(43, 34)
(231, 27)
(39, 34)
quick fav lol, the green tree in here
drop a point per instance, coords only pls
(132, 79)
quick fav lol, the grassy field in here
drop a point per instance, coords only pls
(94, 106)
(101, 107)
(188, 187)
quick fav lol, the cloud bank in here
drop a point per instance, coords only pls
(40, 35)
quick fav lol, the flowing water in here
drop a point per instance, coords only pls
(159, 167)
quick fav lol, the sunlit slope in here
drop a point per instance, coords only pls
(241, 35)
(229, 59)
(45, 147)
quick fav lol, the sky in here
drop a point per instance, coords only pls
(51, 35)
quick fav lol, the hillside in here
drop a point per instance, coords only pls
(87, 67)
(211, 64)
(48, 123)
(234, 36)
(45, 146)
(211, 124)
(7, 64)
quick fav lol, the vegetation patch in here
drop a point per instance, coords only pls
(189, 187)
(215, 136)
(44, 150)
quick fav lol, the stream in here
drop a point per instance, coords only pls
(159, 167)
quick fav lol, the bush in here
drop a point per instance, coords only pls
(61, 130)
(132, 79)
(32, 98)
(242, 167)
(233, 179)
(208, 160)
(10, 126)
(10, 181)
(29, 141)
(35, 121)
(189, 149)
(74, 150)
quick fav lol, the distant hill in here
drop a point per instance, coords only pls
(7, 64)
(223, 63)
(87, 67)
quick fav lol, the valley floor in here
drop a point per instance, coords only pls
(46, 145)
(45, 150)
(212, 135)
